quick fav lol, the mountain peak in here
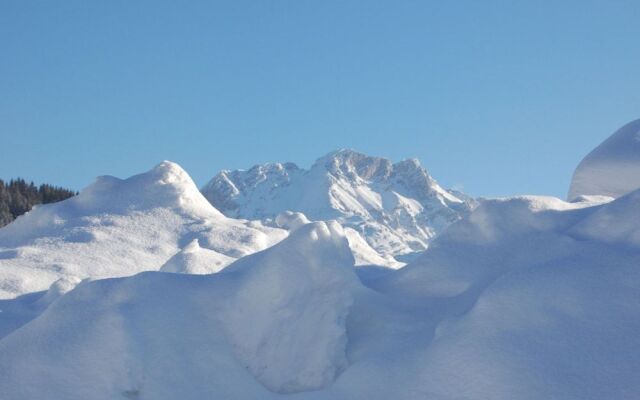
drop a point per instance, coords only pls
(353, 164)
(397, 208)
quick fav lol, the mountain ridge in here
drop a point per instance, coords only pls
(396, 207)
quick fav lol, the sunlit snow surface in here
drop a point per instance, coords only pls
(527, 297)
(611, 169)
(392, 210)
(121, 227)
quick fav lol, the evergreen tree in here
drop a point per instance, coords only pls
(17, 197)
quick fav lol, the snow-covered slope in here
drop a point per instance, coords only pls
(396, 208)
(611, 169)
(543, 299)
(120, 227)
(273, 322)
(527, 298)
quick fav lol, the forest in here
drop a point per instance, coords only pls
(17, 197)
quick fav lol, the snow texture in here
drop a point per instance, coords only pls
(273, 322)
(526, 298)
(611, 169)
(121, 227)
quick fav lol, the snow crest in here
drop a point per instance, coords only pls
(613, 168)
(119, 227)
(287, 318)
(273, 322)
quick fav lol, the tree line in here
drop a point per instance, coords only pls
(17, 197)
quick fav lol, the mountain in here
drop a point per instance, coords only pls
(613, 168)
(119, 227)
(526, 298)
(395, 208)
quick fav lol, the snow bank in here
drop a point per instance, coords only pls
(119, 227)
(363, 253)
(611, 169)
(290, 220)
(274, 321)
(528, 297)
(193, 259)
(287, 318)
(537, 298)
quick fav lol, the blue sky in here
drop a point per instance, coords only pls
(496, 97)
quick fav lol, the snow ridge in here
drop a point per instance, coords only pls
(613, 168)
(119, 227)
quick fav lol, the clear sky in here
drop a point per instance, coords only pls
(495, 97)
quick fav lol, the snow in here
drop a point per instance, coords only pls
(193, 259)
(396, 208)
(364, 254)
(290, 220)
(526, 297)
(287, 319)
(611, 169)
(121, 227)
(274, 321)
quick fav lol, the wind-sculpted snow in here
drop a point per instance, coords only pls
(273, 322)
(396, 208)
(193, 259)
(120, 227)
(611, 169)
(546, 295)
(287, 318)
(526, 298)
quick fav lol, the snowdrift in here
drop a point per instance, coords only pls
(611, 169)
(527, 298)
(121, 227)
(541, 301)
(273, 322)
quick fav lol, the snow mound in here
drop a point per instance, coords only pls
(193, 259)
(611, 169)
(537, 298)
(396, 208)
(287, 320)
(57, 289)
(363, 253)
(290, 220)
(272, 322)
(119, 227)
(527, 298)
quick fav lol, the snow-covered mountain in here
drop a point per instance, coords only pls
(121, 227)
(613, 168)
(396, 208)
(526, 298)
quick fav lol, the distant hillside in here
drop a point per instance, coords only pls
(17, 197)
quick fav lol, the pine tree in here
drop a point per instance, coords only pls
(17, 197)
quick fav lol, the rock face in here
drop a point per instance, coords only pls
(611, 169)
(396, 207)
